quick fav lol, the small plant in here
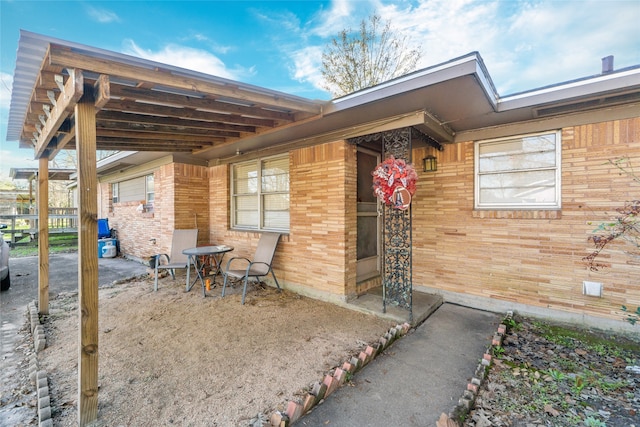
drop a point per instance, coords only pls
(556, 375)
(625, 226)
(579, 384)
(631, 316)
(510, 323)
(348, 376)
(594, 422)
(498, 351)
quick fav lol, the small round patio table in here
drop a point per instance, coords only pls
(201, 257)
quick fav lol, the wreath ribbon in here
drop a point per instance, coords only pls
(390, 178)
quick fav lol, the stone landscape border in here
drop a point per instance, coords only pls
(38, 377)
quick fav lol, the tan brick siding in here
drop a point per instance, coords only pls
(529, 257)
(323, 220)
(319, 251)
(180, 202)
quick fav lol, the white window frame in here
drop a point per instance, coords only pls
(259, 195)
(115, 186)
(523, 205)
(149, 192)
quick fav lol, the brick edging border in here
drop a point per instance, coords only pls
(38, 377)
(320, 390)
(336, 378)
(461, 410)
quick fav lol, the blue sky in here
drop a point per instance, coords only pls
(278, 44)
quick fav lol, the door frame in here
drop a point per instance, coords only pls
(370, 267)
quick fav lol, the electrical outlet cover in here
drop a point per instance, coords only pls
(593, 289)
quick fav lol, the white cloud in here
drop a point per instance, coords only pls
(441, 29)
(340, 16)
(552, 42)
(13, 157)
(6, 83)
(215, 47)
(101, 15)
(525, 45)
(307, 65)
(189, 58)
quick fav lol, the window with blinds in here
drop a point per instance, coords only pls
(134, 190)
(260, 194)
(520, 172)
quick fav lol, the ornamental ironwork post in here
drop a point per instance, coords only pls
(397, 288)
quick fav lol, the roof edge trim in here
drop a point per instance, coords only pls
(470, 63)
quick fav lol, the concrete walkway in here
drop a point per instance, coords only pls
(416, 379)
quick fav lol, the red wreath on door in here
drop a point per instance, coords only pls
(394, 181)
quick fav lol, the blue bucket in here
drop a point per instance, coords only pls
(103, 228)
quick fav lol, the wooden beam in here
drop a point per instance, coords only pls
(117, 133)
(71, 93)
(178, 131)
(176, 120)
(189, 113)
(204, 104)
(85, 120)
(134, 144)
(66, 132)
(43, 235)
(102, 91)
(66, 58)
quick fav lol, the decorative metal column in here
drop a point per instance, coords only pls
(397, 286)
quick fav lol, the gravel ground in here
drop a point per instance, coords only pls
(549, 375)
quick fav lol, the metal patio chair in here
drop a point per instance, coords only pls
(182, 239)
(260, 266)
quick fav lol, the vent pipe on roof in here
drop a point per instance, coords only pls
(607, 64)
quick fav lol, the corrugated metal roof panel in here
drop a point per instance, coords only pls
(32, 49)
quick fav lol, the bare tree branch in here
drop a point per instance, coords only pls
(375, 54)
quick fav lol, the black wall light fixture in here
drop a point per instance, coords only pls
(429, 164)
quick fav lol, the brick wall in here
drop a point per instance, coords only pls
(519, 257)
(180, 202)
(322, 250)
(529, 257)
(317, 256)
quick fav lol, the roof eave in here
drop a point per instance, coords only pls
(470, 64)
(627, 79)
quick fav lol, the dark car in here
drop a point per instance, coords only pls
(5, 278)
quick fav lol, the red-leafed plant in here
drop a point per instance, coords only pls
(625, 225)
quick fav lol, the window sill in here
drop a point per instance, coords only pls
(518, 214)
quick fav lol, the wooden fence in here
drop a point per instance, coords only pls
(61, 220)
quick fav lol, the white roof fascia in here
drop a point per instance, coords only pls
(116, 157)
(470, 64)
(566, 91)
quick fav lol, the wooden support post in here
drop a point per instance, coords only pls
(85, 118)
(43, 235)
(30, 191)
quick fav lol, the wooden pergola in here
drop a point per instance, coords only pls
(86, 99)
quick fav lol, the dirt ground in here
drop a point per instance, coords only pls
(173, 357)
